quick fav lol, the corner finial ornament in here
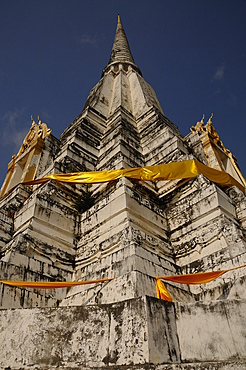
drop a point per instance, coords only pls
(200, 128)
(214, 135)
(43, 130)
(36, 131)
(210, 118)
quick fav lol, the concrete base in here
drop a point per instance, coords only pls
(142, 333)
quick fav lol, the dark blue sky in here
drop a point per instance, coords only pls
(191, 52)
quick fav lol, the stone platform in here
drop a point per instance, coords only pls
(142, 333)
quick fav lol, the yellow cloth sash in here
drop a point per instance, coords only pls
(171, 171)
(162, 292)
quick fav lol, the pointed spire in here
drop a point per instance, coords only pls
(121, 52)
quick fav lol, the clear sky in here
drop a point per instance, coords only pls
(192, 52)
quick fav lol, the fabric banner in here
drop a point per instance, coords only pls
(172, 171)
(50, 284)
(189, 279)
(162, 292)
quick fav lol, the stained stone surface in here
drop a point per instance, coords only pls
(141, 333)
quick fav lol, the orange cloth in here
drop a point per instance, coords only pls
(189, 279)
(50, 284)
(199, 278)
(162, 292)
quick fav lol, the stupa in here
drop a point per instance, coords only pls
(123, 234)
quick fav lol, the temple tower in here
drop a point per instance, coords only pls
(129, 230)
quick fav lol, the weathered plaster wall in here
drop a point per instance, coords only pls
(30, 269)
(214, 330)
(78, 336)
(9, 204)
(205, 233)
(122, 235)
(42, 245)
(239, 201)
(193, 229)
(143, 333)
